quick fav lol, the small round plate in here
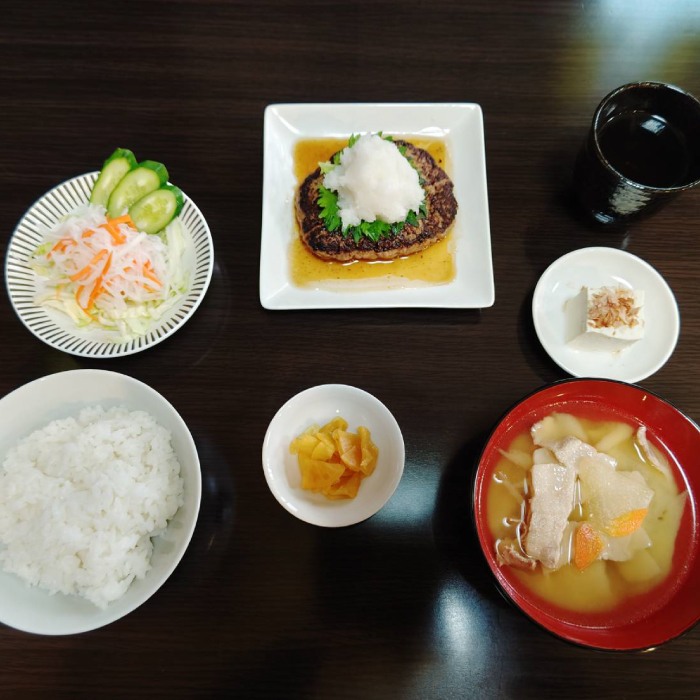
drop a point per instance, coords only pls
(57, 329)
(600, 267)
(321, 404)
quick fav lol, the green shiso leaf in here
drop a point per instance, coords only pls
(374, 230)
(353, 140)
(421, 179)
(326, 167)
(328, 203)
(412, 219)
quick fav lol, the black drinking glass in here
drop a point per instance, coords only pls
(643, 149)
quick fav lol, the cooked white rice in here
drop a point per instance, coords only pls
(81, 499)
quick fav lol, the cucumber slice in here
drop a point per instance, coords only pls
(113, 170)
(135, 185)
(157, 209)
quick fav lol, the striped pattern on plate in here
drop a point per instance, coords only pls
(56, 329)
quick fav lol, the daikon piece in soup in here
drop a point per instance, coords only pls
(585, 514)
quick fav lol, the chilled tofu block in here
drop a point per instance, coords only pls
(606, 319)
(553, 498)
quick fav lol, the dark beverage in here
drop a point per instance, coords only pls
(646, 149)
(642, 150)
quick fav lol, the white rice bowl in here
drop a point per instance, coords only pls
(62, 396)
(81, 498)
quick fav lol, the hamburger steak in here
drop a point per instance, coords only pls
(332, 245)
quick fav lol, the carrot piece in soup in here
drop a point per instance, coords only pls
(627, 524)
(588, 546)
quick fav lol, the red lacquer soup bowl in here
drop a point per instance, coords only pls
(670, 608)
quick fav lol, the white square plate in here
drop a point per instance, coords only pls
(460, 125)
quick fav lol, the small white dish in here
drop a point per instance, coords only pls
(600, 267)
(57, 329)
(460, 125)
(65, 394)
(320, 404)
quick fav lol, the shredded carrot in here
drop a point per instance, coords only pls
(61, 245)
(107, 264)
(98, 288)
(114, 232)
(93, 297)
(88, 268)
(126, 219)
(147, 273)
(87, 233)
(77, 297)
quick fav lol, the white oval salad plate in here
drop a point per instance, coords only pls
(605, 267)
(319, 405)
(60, 331)
(62, 395)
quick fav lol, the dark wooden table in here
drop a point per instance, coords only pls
(402, 605)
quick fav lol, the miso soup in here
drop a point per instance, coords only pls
(600, 592)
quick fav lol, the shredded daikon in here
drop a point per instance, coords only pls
(106, 272)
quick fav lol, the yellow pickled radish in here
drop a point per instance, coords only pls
(332, 460)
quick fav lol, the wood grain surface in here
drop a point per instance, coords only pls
(402, 605)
